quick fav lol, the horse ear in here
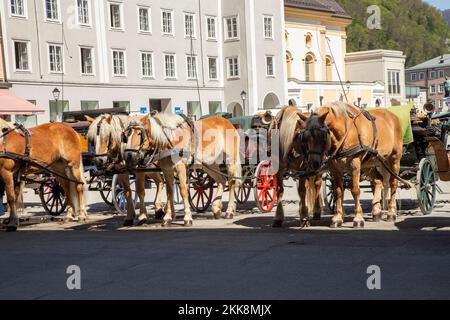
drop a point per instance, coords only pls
(302, 116)
(89, 119)
(108, 118)
(323, 117)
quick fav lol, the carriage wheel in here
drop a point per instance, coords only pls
(201, 189)
(53, 197)
(328, 192)
(265, 187)
(118, 194)
(243, 192)
(426, 187)
(104, 186)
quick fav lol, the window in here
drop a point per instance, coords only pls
(89, 105)
(268, 27)
(211, 25)
(189, 25)
(289, 60)
(441, 88)
(413, 76)
(329, 69)
(18, 8)
(51, 10)
(194, 110)
(147, 64)
(115, 15)
(421, 75)
(309, 68)
(441, 74)
(231, 32)
(169, 65)
(308, 40)
(55, 58)
(119, 63)
(212, 67)
(433, 89)
(86, 61)
(394, 81)
(122, 104)
(167, 22)
(215, 107)
(57, 108)
(21, 56)
(233, 67)
(191, 62)
(270, 66)
(432, 74)
(144, 19)
(83, 12)
(27, 120)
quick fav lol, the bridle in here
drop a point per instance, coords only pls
(146, 155)
(109, 144)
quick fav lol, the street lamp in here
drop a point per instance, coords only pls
(244, 98)
(348, 84)
(56, 93)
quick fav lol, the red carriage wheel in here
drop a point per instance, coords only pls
(265, 187)
(201, 189)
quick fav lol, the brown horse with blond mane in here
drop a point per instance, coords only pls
(347, 139)
(53, 145)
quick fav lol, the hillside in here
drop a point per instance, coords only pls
(412, 26)
(446, 14)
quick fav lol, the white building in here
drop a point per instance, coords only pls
(197, 55)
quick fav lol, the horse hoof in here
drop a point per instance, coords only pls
(336, 224)
(167, 223)
(141, 222)
(188, 223)
(317, 217)
(391, 218)
(128, 223)
(82, 220)
(159, 214)
(277, 224)
(376, 218)
(229, 216)
(11, 229)
(305, 223)
(217, 216)
(358, 224)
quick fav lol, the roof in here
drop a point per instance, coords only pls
(79, 115)
(13, 104)
(433, 63)
(330, 6)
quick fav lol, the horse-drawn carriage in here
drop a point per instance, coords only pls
(425, 160)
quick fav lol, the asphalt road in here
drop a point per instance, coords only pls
(242, 258)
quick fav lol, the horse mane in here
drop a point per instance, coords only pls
(287, 119)
(339, 108)
(115, 128)
(163, 127)
(5, 124)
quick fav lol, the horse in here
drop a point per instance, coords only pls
(348, 139)
(105, 134)
(172, 142)
(291, 157)
(55, 146)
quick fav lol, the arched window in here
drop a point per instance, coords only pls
(329, 68)
(308, 40)
(289, 60)
(309, 67)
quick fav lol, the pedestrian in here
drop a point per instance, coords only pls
(447, 87)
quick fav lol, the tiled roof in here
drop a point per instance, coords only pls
(330, 6)
(437, 62)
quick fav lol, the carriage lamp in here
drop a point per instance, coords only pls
(56, 93)
(244, 98)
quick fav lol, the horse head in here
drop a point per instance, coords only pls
(103, 136)
(314, 139)
(138, 142)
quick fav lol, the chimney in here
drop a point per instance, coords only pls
(442, 59)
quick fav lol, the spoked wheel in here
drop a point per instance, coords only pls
(426, 187)
(243, 192)
(53, 197)
(328, 192)
(104, 187)
(118, 194)
(201, 189)
(265, 187)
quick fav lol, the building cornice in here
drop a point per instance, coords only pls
(325, 18)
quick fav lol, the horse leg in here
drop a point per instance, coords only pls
(233, 171)
(358, 221)
(338, 218)
(318, 201)
(303, 207)
(170, 207)
(392, 211)
(279, 214)
(124, 180)
(140, 189)
(8, 179)
(217, 203)
(182, 177)
(377, 209)
(69, 213)
(159, 206)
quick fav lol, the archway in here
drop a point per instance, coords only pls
(271, 101)
(235, 109)
(308, 40)
(329, 68)
(310, 61)
(289, 60)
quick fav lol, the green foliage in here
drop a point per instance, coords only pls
(412, 26)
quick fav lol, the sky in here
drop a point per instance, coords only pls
(441, 4)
